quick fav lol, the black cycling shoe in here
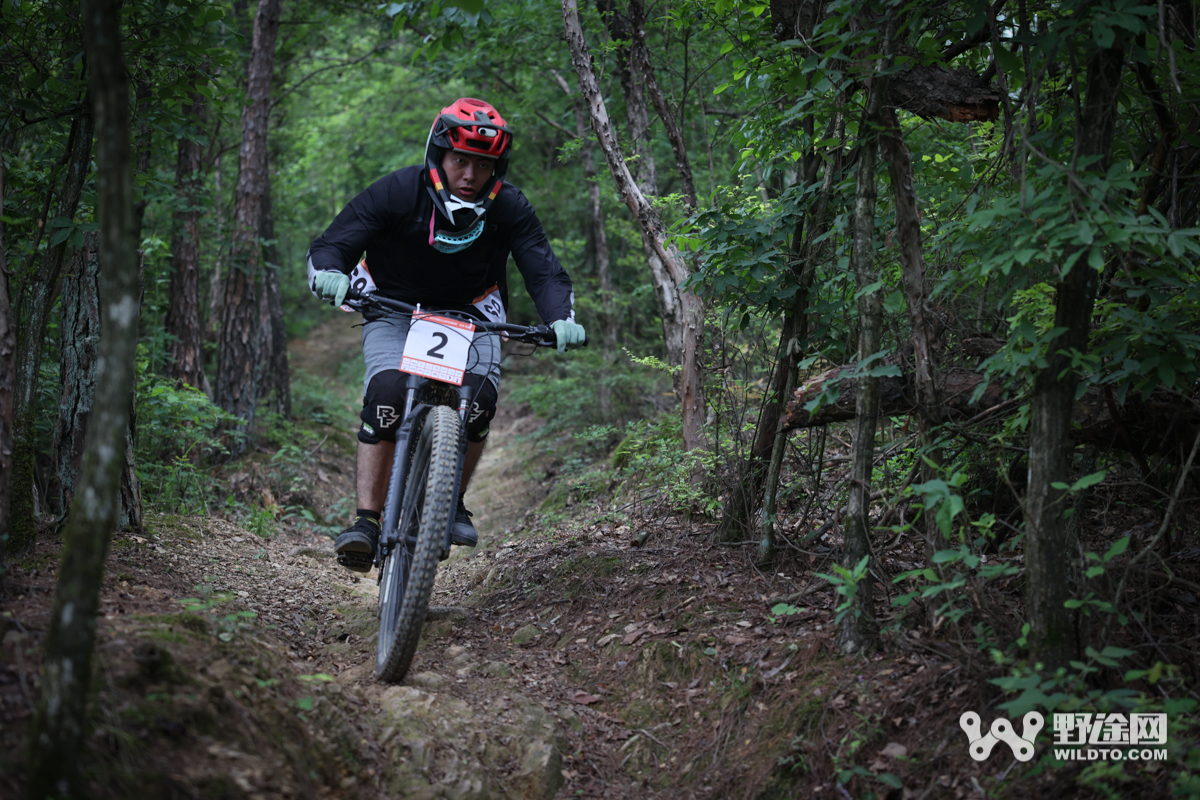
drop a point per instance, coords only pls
(463, 533)
(355, 546)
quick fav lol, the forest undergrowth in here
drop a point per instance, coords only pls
(602, 642)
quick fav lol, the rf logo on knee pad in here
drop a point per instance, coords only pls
(386, 415)
(385, 392)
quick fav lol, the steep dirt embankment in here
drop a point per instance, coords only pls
(561, 660)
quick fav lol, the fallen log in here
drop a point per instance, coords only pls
(957, 94)
(1155, 425)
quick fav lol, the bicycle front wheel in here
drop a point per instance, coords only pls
(409, 570)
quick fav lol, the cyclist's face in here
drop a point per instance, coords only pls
(468, 174)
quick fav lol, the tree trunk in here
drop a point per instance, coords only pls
(912, 273)
(682, 311)
(212, 325)
(858, 632)
(1049, 551)
(608, 319)
(145, 143)
(58, 730)
(130, 516)
(789, 351)
(620, 30)
(186, 346)
(737, 518)
(8, 371)
(79, 336)
(805, 254)
(236, 390)
(641, 57)
(274, 382)
(37, 303)
(608, 314)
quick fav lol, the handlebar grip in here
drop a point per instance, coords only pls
(586, 339)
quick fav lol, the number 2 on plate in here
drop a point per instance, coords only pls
(437, 347)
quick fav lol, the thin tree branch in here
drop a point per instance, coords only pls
(980, 36)
(641, 56)
(570, 133)
(337, 65)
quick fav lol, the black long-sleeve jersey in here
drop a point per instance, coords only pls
(389, 222)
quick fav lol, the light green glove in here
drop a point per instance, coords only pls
(569, 334)
(331, 285)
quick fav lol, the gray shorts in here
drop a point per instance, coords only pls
(383, 345)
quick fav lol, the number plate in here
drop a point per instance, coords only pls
(437, 347)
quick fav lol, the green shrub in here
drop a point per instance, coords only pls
(568, 397)
(176, 427)
(653, 453)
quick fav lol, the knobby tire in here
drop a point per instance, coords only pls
(409, 571)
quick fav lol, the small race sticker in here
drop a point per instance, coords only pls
(437, 347)
(361, 282)
(490, 305)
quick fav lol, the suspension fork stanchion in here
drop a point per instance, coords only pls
(391, 521)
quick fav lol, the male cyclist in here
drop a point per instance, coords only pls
(438, 235)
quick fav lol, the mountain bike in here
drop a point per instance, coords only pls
(423, 490)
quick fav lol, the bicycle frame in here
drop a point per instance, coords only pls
(408, 549)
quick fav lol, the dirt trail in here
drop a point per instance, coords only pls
(474, 718)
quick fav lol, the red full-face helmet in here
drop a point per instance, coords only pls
(471, 126)
(465, 126)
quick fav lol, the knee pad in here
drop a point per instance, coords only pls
(479, 416)
(382, 407)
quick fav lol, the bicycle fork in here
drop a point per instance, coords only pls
(393, 513)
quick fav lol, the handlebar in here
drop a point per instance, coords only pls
(539, 335)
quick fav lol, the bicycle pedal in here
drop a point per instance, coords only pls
(358, 562)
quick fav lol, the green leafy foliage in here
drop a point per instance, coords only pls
(846, 581)
(782, 610)
(565, 394)
(652, 453)
(176, 438)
